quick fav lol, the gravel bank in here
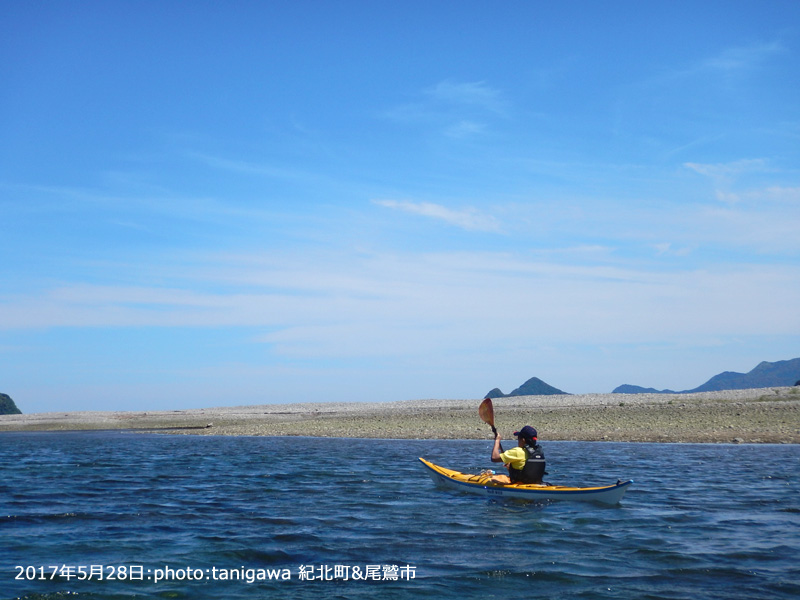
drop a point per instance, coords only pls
(768, 415)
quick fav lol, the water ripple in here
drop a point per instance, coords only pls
(703, 522)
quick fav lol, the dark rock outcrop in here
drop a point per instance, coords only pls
(7, 406)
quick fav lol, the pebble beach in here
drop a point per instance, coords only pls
(767, 415)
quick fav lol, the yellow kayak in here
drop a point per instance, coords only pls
(482, 484)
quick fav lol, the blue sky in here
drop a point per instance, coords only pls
(226, 203)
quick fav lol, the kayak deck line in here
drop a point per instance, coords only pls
(482, 484)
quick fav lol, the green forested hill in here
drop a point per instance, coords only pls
(7, 406)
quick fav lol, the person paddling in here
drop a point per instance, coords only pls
(525, 462)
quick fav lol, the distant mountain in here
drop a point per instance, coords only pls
(635, 389)
(533, 387)
(767, 374)
(7, 406)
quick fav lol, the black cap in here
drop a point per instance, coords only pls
(528, 432)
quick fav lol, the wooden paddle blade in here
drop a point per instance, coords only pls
(486, 412)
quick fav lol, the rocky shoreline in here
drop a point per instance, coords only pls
(768, 415)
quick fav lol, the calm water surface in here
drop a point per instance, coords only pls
(700, 522)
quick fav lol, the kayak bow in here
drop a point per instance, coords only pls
(482, 484)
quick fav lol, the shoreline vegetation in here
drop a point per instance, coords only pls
(766, 415)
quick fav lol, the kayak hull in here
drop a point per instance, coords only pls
(481, 484)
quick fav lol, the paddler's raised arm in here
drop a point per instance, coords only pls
(497, 449)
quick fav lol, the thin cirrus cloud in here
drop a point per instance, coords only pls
(423, 290)
(462, 109)
(743, 180)
(475, 94)
(465, 129)
(728, 171)
(743, 57)
(469, 219)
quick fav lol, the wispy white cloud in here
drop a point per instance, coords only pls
(457, 109)
(727, 180)
(704, 229)
(762, 230)
(728, 62)
(311, 303)
(94, 202)
(728, 171)
(473, 93)
(783, 194)
(669, 249)
(477, 315)
(738, 58)
(261, 169)
(465, 129)
(469, 219)
(774, 193)
(705, 100)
